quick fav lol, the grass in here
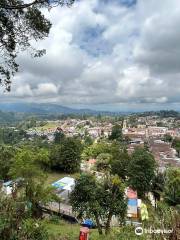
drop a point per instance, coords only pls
(65, 231)
(47, 126)
(54, 176)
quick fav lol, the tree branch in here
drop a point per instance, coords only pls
(22, 6)
(26, 5)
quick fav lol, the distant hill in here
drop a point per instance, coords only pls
(38, 108)
(10, 118)
(47, 109)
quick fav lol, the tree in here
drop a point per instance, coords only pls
(95, 149)
(11, 136)
(168, 138)
(120, 160)
(6, 159)
(66, 156)
(84, 198)
(58, 136)
(42, 157)
(165, 217)
(141, 171)
(103, 162)
(176, 145)
(88, 141)
(116, 133)
(71, 155)
(21, 22)
(26, 167)
(99, 199)
(15, 222)
(112, 200)
(55, 157)
(172, 186)
(158, 186)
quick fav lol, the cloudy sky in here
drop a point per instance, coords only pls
(106, 54)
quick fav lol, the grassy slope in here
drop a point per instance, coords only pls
(66, 231)
(54, 176)
(47, 126)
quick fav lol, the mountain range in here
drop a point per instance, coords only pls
(46, 109)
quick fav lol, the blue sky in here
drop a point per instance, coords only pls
(114, 55)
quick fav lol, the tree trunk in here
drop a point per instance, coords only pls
(36, 211)
(98, 224)
(107, 228)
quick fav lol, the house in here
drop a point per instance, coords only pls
(7, 187)
(87, 166)
(64, 187)
(132, 211)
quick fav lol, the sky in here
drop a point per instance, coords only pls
(118, 55)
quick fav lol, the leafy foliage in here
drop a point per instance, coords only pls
(172, 186)
(26, 167)
(116, 133)
(20, 23)
(15, 222)
(99, 199)
(176, 145)
(120, 160)
(66, 156)
(6, 160)
(141, 171)
(95, 149)
(103, 162)
(11, 136)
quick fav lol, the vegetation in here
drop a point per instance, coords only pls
(33, 164)
(34, 191)
(66, 156)
(15, 222)
(141, 171)
(6, 159)
(99, 200)
(176, 145)
(172, 186)
(116, 133)
(120, 160)
(20, 23)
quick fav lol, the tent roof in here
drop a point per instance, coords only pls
(64, 184)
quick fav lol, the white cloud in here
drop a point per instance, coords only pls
(45, 89)
(23, 91)
(106, 53)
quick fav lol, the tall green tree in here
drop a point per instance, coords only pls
(141, 171)
(95, 149)
(71, 155)
(168, 138)
(172, 186)
(116, 133)
(7, 154)
(158, 186)
(176, 145)
(103, 162)
(26, 167)
(66, 156)
(120, 160)
(58, 137)
(99, 199)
